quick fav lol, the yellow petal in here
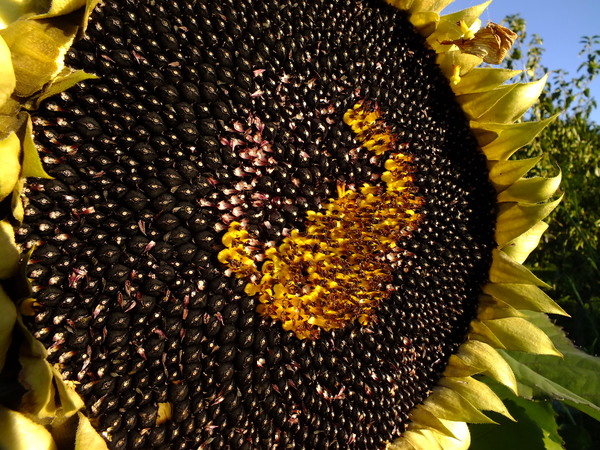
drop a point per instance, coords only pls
(522, 246)
(519, 334)
(480, 354)
(477, 394)
(17, 432)
(447, 62)
(448, 29)
(8, 81)
(514, 104)
(61, 7)
(515, 219)
(9, 253)
(477, 105)
(511, 137)
(36, 377)
(70, 401)
(13, 9)
(424, 419)
(38, 48)
(483, 79)
(416, 6)
(479, 331)
(505, 173)
(87, 438)
(491, 308)
(8, 318)
(425, 22)
(32, 165)
(419, 439)
(461, 439)
(65, 80)
(16, 204)
(446, 403)
(10, 166)
(458, 368)
(531, 190)
(524, 296)
(506, 270)
(421, 5)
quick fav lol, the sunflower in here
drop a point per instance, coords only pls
(258, 224)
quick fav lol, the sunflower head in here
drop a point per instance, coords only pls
(260, 224)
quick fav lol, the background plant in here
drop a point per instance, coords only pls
(567, 258)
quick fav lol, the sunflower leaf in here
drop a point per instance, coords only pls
(535, 428)
(573, 380)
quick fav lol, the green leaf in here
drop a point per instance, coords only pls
(575, 379)
(535, 427)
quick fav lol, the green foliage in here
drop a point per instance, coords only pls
(534, 428)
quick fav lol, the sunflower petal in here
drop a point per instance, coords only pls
(524, 296)
(476, 393)
(531, 190)
(38, 48)
(461, 439)
(9, 253)
(448, 28)
(61, 7)
(404, 5)
(420, 5)
(522, 246)
(8, 81)
(490, 308)
(514, 219)
(17, 432)
(424, 419)
(479, 104)
(36, 377)
(458, 368)
(65, 80)
(506, 270)
(504, 173)
(32, 165)
(514, 104)
(430, 5)
(16, 204)
(465, 62)
(519, 334)
(10, 166)
(446, 403)
(511, 137)
(425, 22)
(416, 439)
(483, 79)
(70, 401)
(480, 354)
(87, 438)
(480, 332)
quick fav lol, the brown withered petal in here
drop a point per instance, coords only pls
(491, 43)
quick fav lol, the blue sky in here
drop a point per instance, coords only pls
(560, 23)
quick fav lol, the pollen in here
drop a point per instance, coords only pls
(338, 270)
